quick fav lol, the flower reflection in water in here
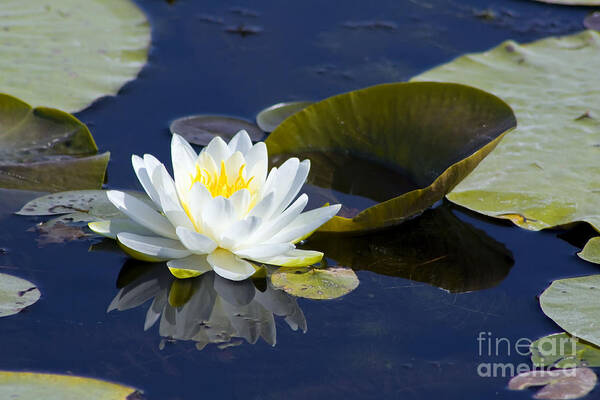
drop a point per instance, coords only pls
(207, 309)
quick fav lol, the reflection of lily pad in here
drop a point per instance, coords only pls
(574, 304)
(30, 385)
(68, 53)
(432, 133)
(46, 150)
(270, 118)
(436, 248)
(558, 384)
(562, 350)
(201, 129)
(16, 294)
(314, 283)
(591, 251)
(546, 173)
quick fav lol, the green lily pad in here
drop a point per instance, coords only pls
(201, 129)
(561, 350)
(315, 283)
(44, 149)
(574, 304)
(591, 251)
(32, 385)
(572, 2)
(67, 53)
(432, 133)
(437, 248)
(271, 117)
(558, 384)
(546, 173)
(16, 294)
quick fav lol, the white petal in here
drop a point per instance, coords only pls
(265, 250)
(305, 223)
(205, 161)
(271, 228)
(198, 197)
(240, 142)
(183, 158)
(139, 166)
(196, 242)
(294, 258)
(296, 185)
(230, 266)
(240, 201)
(191, 263)
(151, 163)
(111, 228)
(153, 246)
(217, 148)
(270, 182)
(169, 199)
(257, 154)
(233, 165)
(141, 213)
(263, 207)
(217, 216)
(285, 178)
(239, 231)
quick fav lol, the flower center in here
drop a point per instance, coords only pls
(218, 183)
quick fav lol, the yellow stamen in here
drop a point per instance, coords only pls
(218, 183)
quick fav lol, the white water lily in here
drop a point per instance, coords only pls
(220, 212)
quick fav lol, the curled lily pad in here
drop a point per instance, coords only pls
(545, 174)
(432, 133)
(201, 129)
(68, 53)
(44, 149)
(561, 350)
(16, 294)
(436, 248)
(270, 118)
(315, 283)
(591, 251)
(574, 304)
(558, 384)
(32, 385)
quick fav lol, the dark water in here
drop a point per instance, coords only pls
(397, 335)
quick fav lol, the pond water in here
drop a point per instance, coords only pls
(398, 335)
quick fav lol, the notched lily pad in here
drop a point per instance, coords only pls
(435, 134)
(15, 295)
(315, 283)
(561, 350)
(558, 384)
(44, 149)
(201, 129)
(271, 117)
(591, 251)
(32, 385)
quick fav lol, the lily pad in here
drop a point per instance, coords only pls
(591, 251)
(432, 133)
(16, 294)
(558, 384)
(546, 173)
(437, 248)
(561, 350)
(67, 53)
(574, 304)
(32, 385)
(44, 149)
(271, 117)
(201, 129)
(592, 21)
(315, 283)
(572, 2)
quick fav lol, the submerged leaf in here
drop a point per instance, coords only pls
(31, 385)
(558, 384)
(574, 304)
(561, 350)
(591, 251)
(546, 173)
(201, 129)
(271, 117)
(432, 133)
(59, 233)
(68, 53)
(15, 295)
(315, 283)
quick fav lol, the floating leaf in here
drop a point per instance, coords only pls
(574, 304)
(436, 248)
(432, 133)
(572, 2)
(561, 350)
(591, 251)
(201, 129)
(558, 384)
(315, 283)
(546, 173)
(44, 149)
(32, 385)
(271, 117)
(592, 21)
(68, 53)
(16, 294)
